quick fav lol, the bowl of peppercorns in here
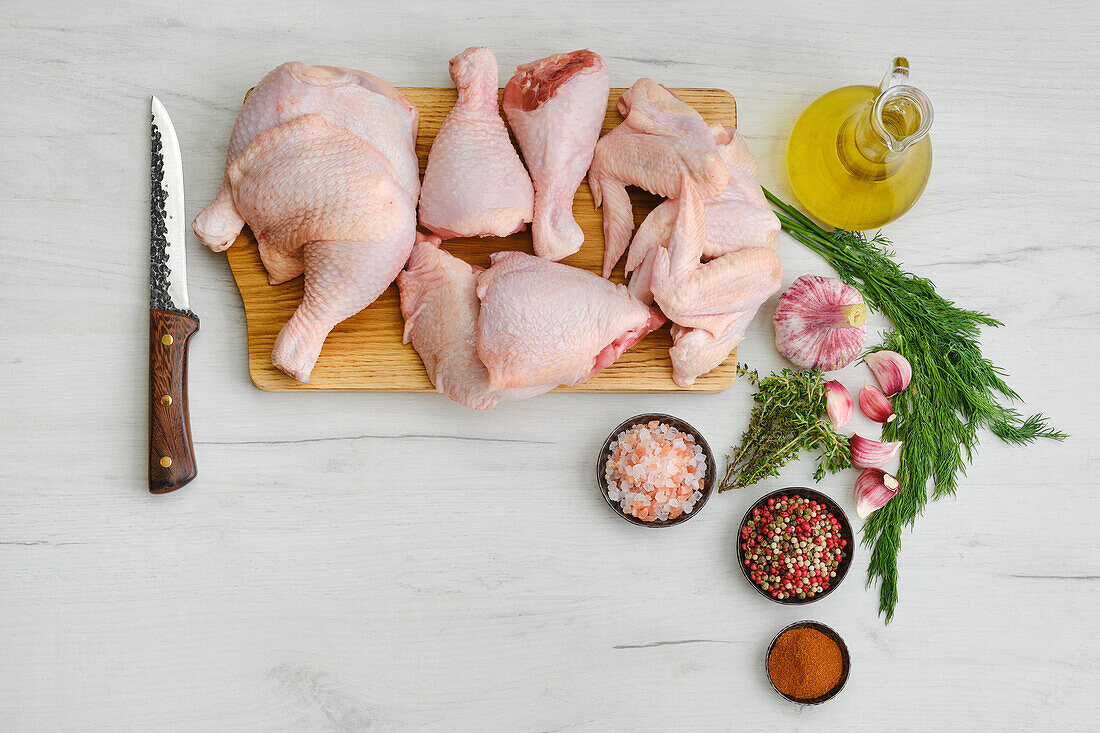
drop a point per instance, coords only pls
(795, 545)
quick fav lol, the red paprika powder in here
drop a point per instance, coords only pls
(805, 663)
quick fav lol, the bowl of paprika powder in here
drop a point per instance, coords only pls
(808, 663)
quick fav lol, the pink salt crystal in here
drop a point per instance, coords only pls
(656, 470)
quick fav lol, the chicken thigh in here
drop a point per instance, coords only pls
(359, 102)
(323, 201)
(474, 184)
(660, 140)
(556, 107)
(712, 302)
(440, 306)
(543, 323)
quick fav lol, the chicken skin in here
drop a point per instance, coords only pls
(322, 201)
(711, 303)
(556, 107)
(738, 218)
(660, 141)
(543, 323)
(475, 184)
(440, 306)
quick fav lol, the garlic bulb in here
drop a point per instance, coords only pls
(891, 369)
(819, 323)
(867, 453)
(874, 489)
(838, 403)
(873, 404)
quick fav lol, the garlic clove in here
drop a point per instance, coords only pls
(819, 323)
(873, 404)
(874, 489)
(867, 453)
(892, 370)
(838, 403)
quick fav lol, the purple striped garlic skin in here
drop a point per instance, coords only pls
(867, 453)
(819, 323)
(874, 404)
(838, 403)
(892, 370)
(873, 490)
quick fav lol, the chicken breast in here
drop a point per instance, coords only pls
(474, 184)
(544, 323)
(440, 306)
(661, 141)
(556, 107)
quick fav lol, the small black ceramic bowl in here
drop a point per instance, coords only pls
(845, 660)
(845, 531)
(674, 422)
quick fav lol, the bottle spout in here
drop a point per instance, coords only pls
(898, 73)
(901, 114)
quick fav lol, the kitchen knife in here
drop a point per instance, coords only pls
(171, 323)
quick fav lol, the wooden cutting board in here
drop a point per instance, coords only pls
(365, 353)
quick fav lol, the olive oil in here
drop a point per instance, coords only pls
(859, 156)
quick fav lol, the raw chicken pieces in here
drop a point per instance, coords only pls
(320, 198)
(474, 184)
(322, 167)
(661, 140)
(737, 218)
(355, 100)
(711, 303)
(556, 107)
(359, 102)
(440, 306)
(544, 323)
(516, 330)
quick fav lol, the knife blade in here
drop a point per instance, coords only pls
(171, 322)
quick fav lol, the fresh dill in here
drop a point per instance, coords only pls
(955, 390)
(787, 420)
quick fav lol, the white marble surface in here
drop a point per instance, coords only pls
(368, 562)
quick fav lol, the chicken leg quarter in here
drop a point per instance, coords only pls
(323, 201)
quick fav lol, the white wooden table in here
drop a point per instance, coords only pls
(367, 562)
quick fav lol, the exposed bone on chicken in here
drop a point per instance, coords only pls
(660, 141)
(712, 302)
(475, 184)
(737, 218)
(322, 201)
(544, 323)
(440, 306)
(556, 107)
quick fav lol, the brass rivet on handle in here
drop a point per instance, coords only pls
(166, 339)
(166, 399)
(166, 461)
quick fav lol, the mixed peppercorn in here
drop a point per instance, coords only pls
(792, 547)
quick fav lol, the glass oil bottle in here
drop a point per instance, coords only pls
(860, 156)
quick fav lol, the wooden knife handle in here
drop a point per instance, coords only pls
(171, 454)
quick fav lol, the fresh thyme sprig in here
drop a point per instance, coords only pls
(787, 420)
(954, 392)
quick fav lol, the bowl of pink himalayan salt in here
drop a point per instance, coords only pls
(655, 470)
